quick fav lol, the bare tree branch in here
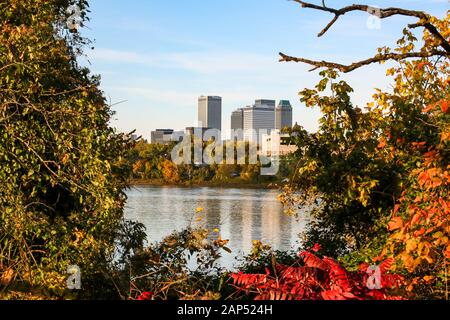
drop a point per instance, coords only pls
(359, 64)
(382, 14)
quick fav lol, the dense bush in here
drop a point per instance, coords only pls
(314, 278)
(61, 189)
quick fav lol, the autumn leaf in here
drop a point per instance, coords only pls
(421, 65)
(447, 252)
(445, 136)
(220, 242)
(6, 277)
(382, 143)
(396, 208)
(444, 106)
(395, 223)
(146, 296)
(429, 108)
(411, 245)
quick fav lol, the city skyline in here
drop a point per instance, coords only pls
(155, 64)
(245, 122)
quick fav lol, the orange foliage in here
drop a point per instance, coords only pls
(170, 172)
(420, 221)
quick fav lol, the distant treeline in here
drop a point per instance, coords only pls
(152, 163)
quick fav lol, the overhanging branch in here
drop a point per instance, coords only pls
(359, 64)
(382, 14)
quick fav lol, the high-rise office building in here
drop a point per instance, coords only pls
(265, 103)
(283, 115)
(210, 112)
(259, 119)
(237, 124)
(237, 119)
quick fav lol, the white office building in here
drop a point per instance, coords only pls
(258, 119)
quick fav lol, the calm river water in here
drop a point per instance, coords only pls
(241, 215)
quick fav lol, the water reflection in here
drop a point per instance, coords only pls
(241, 215)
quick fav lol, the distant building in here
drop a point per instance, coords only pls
(259, 119)
(273, 144)
(237, 119)
(177, 136)
(210, 112)
(165, 136)
(265, 103)
(197, 132)
(160, 135)
(283, 115)
(237, 124)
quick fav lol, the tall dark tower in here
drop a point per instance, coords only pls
(210, 112)
(283, 115)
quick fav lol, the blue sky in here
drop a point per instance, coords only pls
(158, 56)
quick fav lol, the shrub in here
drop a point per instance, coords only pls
(314, 278)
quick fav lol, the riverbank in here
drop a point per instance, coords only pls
(209, 184)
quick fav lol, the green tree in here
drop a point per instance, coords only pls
(61, 165)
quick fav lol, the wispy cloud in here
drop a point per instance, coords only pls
(199, 62)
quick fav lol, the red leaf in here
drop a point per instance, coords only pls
(339, 275)
(317, 247)
(444, 106)
(386, 265)
(145, 296)
(391, 281)
(312, 261)
(332, 295)
(363, 267)
(319, 279)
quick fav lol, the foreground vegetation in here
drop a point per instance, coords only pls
(377, 178)
(61, 194)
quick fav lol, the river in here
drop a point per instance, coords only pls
(241, 215)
